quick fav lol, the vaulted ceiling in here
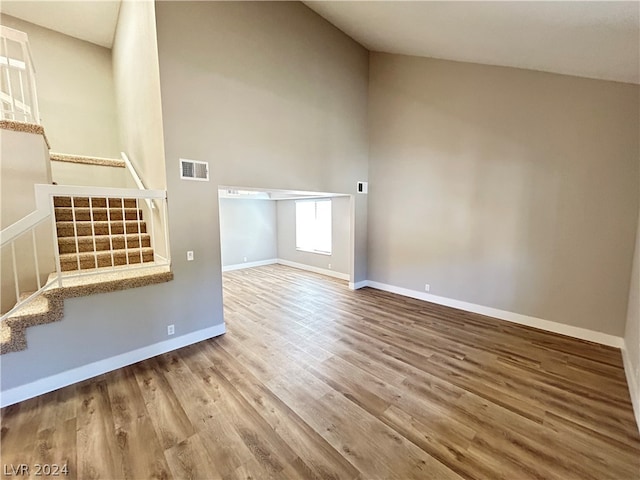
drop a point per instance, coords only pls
(584, 38)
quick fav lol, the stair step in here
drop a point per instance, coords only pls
(95, 202)
(12, 329)
(65, 229)
(42, 309)
(109, 280)
(69, 261)
(37, 306)
(85, 244)
(11, 339)
(83, 214)
(5, 333)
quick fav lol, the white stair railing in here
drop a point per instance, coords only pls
(18, 96)
(124, 229)
(24, 236)
(136, 178)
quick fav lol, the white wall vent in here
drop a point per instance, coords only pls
(194, 170)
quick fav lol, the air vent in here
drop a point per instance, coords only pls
(194, 170)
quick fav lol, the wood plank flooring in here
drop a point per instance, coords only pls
(314, 381)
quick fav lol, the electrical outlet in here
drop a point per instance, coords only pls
(190, 256)
(427, 287)
(171, 329)
(244, 259)
(329, 266)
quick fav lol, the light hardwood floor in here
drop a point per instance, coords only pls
(315, 381)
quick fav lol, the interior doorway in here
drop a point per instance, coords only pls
(307, 230)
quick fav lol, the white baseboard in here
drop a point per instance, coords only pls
(240, 266)
(54, 382)
(634, 388)
(550, 326)
(309, 268)
(358, 285)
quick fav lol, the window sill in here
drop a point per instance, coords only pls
(327, 254)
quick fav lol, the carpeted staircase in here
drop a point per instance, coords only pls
(49, 307)
(92, 234)
(100, 233)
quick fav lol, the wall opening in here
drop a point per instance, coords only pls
(261, 227)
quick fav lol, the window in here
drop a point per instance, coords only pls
(313, 226)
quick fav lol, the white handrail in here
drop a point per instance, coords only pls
(81, 191)
(8, 236)
(132, 171)
(23, 225)
(136, 177)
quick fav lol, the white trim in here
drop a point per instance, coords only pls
(358, 285)
(59, 380)
(634, 390)
(13, 34)
(80, 191)
(241, 266)
(317, 252)
(555, 327)
(309, 268)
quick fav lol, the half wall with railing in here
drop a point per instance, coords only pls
(81, 231)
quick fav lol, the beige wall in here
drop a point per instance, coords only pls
(272, 96)
(247, 230)
(137, 84)
(269, 94)
(67, 173)
(76, 97)
(632, 330)
(340, 258)
(503, 187)
(24, 162)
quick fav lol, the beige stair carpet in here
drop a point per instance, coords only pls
(101, 232)
(105, 162)
(49, 307)
(103, 235)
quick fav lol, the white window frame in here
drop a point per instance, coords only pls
(310, 246)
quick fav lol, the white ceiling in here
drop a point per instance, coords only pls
(94, 21)
(584, 38)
